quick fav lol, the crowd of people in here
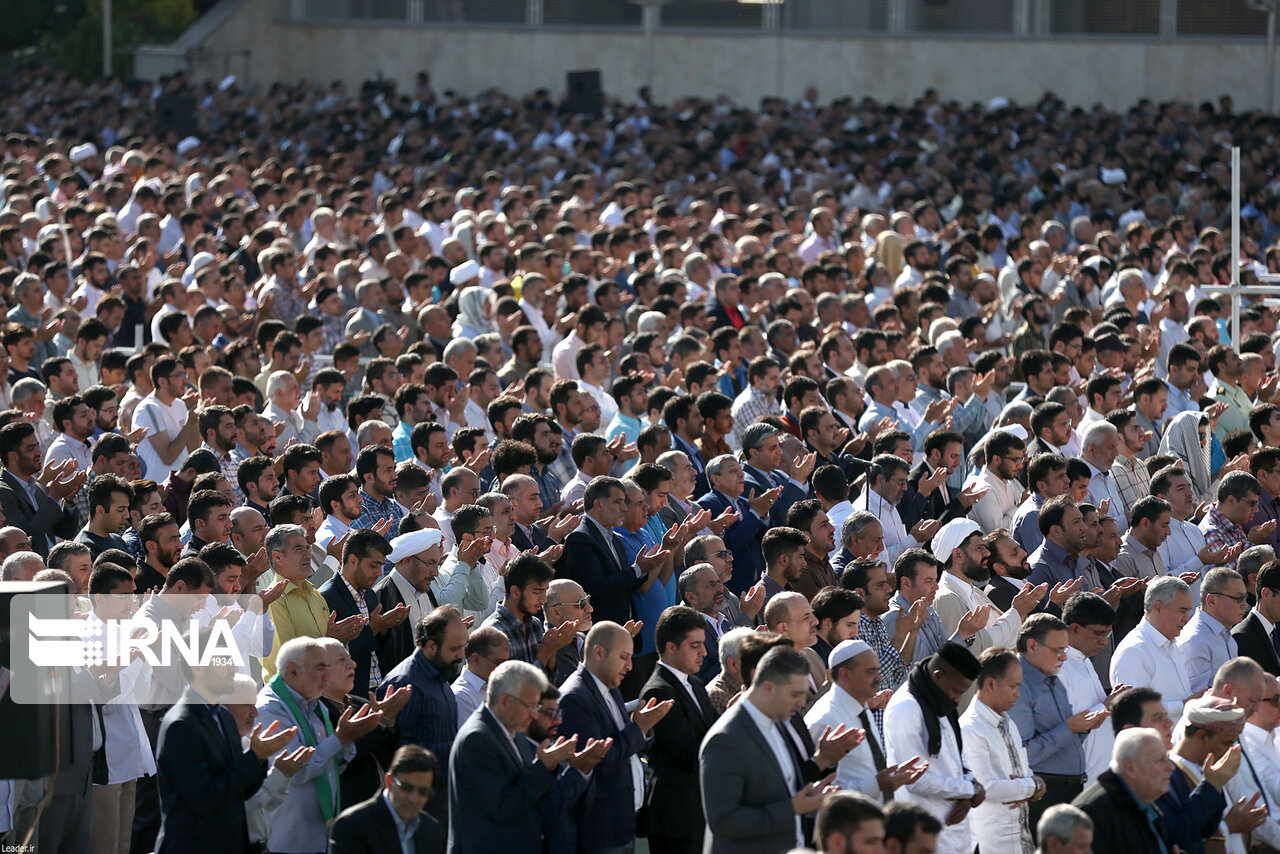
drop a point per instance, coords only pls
(865, 477)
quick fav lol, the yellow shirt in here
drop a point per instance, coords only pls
(299, 612)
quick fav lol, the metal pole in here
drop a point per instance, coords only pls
(106, 38)
(1235, 247)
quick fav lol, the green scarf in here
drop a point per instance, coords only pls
(329, 799)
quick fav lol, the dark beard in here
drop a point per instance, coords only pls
(978, 574)
(1019, 572)
(546, 459)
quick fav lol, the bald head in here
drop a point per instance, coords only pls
(781, 609)
(606, 635)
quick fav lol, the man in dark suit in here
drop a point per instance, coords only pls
(595, 557)
(374, 827)
(25, 502)
(753, 790)
(728, 482)
(593, 708)
(350, 592)
(526, 506)
(699, 587)
(417, 557)
(684, 420)
(559, 824)
(675, 818)
(762, 470)
(203, 774)
(928, 496)
(498, 778)
(1251, 634)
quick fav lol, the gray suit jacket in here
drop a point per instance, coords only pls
(744, 793)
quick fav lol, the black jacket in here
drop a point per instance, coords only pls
(1119, 825)
(369, 828)
(675, 802)
(1253, 642)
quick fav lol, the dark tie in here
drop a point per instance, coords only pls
(1275, 640)
(876, 753)
(797, 761)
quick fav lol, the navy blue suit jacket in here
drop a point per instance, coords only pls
(759, 481)
(591, 560)
(204, 778)
(608, 818)
(675, 798)
(342, 604)
(710, 664)
(495, 802)
(742, 538)
(540, 539)
(369, 828)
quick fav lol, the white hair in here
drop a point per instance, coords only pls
(1163, 590)
(731, 644)
(939, 326)
(1097, 433)
(946, 340)
(1129, 744)
(366, 428)
(294, 651)
(277, 381)
(511, 678)
(1060, 822)
(14, 564)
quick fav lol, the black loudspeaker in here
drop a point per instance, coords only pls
(176, 114)
(32, 730)
(586, 97)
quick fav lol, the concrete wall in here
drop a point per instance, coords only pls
(1114, 72)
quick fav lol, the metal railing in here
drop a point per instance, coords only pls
(1151, 19)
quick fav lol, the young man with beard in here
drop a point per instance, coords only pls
(1008, 564)
(162, 543)
(541, 433)
(1129, 471)
(916, 574)
(1185, 549)
(839, 615)
(1047, 478)
(1006, 454)
(869, 578)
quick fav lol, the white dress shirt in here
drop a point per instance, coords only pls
(1181, 549)
(996, 508)
(837, 514)
(946, 778)
(996, 827)
(1146, 657)
(637, 770)
(896, 538)
(1085, 694)
(857, 770)
(1206, 645)
(330, 529)
(1102, 485)
(1260, 774)
(124, 740)
(468, 690)
(769, 729)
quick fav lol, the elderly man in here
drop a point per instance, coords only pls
(499, 779)
(416, 557)
(284, 398)
(1148, 655)
(1064, 829)
(728, 482)
(1121, 803)
(291, 699)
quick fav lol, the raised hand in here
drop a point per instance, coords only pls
(880, 699)
(392, 702)
(753, 601)
(801, 467)
(1065, 590)
(811, 798)
(925, 529)
(633, 626)
(933, 481)
(265, 742)
(647, 716)
(552, 753)
(833, 744)
(976, 619)
(473, 552)
(551, 554)
(1262, 532)
(344, 630)
(334, 549)
(353, 725)
(382, 526)
(724, 520)
(1087, 721)
(971, 495)
(652, 558)
(1218, 770)
(591, 755)
(1028, 598)
(563, 526)
(556, 639)
(380, 622)
(763, 502)
(1244, 815)
(290, 763)
(904, 773)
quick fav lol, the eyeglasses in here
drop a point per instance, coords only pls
(535, 707)
(1274, 699)
(410, 789)
(1102, 634)
(723, 554)
(1234, 597)
(581, 604)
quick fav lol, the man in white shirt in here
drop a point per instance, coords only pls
(1259, 742)
(993, 749)
(487, 647)
(1206, 642)
(855, 680)
(1148, 655)
(1006, 454)
(168, 413)
(1185, 549)
(886, 486)
(1089, 620)
(1099, 447)
(922, 720)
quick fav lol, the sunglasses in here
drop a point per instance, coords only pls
(408, 789)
